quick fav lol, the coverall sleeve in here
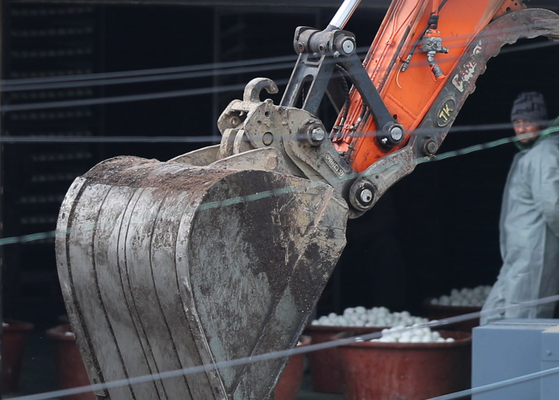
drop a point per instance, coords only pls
(546, 185)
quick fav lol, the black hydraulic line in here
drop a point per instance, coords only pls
(408, 58)
(344, 76)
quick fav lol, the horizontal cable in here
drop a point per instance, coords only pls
(276, 192)
(142, 79)
(157, 95)
(107, 139)
(12, 83)
(27, 139)
(195, 71)
(124, 99)
(294, 351)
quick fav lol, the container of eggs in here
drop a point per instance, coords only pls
(458, 302)
(325, 365)
(406, 363)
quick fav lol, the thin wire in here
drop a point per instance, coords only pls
(288, 353)
(143, 97)
(140, 79)
(32, 139)
(497, 385)
(184, 72)
(123, 99)
(275, 192)
(102, 76)
(107, 139)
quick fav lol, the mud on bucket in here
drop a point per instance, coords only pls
(406, 371)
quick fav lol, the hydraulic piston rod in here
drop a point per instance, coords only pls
(344, 13)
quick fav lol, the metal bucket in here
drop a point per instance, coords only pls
(166, 266)
(14, 338)
(406, 371)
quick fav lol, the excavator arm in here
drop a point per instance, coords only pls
(222, 253)
(405, 96)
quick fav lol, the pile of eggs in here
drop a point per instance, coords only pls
(362, 317)
(464, 298)
(414, 334)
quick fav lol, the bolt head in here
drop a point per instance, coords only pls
(362, 194)
(318, 134)
(348, 46)
(430, 147)
(366, 196)
(396, 134)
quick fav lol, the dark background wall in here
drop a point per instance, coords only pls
(437, 229)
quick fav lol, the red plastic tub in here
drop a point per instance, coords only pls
(406, 371)
(326, 369)
(438, 311)
(70, 370)
(13, 346)
(290, 381)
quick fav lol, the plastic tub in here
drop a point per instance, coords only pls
(406, 371)
(437, 311)
(290, 381)
(70, 370)
(326, 370)
(13, 345)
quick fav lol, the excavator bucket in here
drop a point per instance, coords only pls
(222, 253)
(166, 266)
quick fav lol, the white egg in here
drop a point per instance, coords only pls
(341, 320)
(405, 338)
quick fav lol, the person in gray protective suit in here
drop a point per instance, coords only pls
(529, 222)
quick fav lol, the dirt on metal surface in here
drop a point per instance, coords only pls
(165, 266)
(138, 172)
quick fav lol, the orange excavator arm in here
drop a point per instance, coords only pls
(418, 46)
(420, 69)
